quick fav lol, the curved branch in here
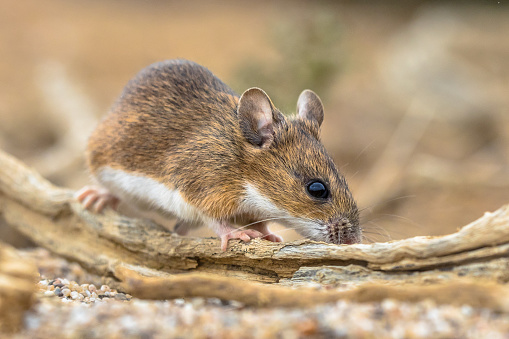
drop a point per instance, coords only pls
(474, 293)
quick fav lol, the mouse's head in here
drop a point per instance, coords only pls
(289, 175)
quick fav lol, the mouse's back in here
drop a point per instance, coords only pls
(164, 107)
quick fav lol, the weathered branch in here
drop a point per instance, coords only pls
(17, 286)
(108, 243)
(464, 291)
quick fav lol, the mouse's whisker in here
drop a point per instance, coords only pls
(383, 231)
(287, 229)
(264, 220)
(383, 202)
(400, 217)
(257, 222)
(374, 232)
(369, 239)
(379, 236)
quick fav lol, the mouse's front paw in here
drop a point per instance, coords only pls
(96, 197)
(244, 235)
(266, 233)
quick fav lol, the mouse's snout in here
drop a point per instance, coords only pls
(343, 231)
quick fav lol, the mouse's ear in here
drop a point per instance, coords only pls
(256, 117)
(309, 106)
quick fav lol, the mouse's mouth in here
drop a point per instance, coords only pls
(350, 238)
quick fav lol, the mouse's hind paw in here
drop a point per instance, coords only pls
(96, 198)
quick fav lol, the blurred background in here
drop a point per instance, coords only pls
(416, 93)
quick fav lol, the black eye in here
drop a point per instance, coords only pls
(317, 189)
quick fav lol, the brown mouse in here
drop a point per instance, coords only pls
(179, 142)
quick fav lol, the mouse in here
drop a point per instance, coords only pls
(180, 143)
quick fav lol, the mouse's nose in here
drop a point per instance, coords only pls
(350, 235)
(342, 231)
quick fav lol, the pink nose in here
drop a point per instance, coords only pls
(349, 237)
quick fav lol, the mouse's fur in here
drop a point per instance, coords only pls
(179, 141)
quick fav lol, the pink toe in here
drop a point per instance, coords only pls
(99, 205)
(224, 243)
(244, 237)
(82, 194)
(89, 200)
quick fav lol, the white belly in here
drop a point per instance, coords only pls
(147, 194)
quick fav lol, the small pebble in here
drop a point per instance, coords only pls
(198, 302)
(215, 301)
(85, 293)
(120, 296)
(235, 304)
(179, 302)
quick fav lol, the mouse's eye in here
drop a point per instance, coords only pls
(317, 189)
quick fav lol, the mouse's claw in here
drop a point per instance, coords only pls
(96, 197)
